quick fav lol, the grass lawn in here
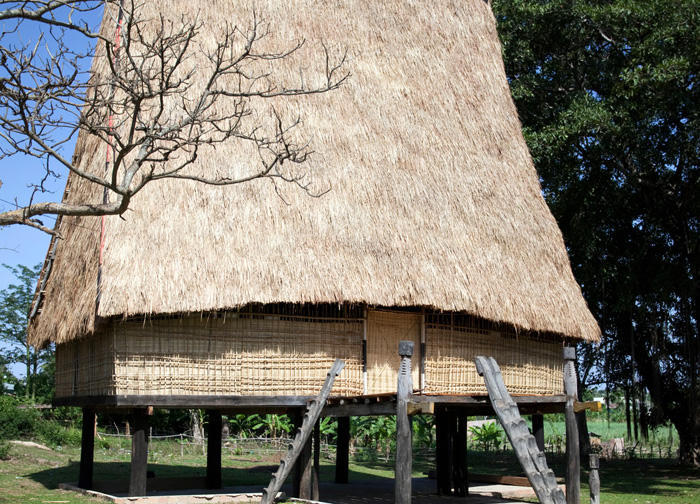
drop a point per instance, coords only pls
(31, 475)
(644, 481)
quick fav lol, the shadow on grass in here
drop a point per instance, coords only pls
(231, 476)
(647, 476)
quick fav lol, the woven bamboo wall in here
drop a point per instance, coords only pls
(280, 351)
(228, 354)
(85, 367)
(529, 366)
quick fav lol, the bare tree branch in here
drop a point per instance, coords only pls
(156, 97)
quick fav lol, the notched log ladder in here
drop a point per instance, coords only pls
(530, 457)
(313, 412)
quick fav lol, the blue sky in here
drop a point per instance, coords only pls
(22, 244)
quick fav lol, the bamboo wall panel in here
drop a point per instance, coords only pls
(529, 367)
(280, 351)
(232, 354)
(384, 331)
(85, 367)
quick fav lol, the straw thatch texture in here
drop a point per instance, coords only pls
(434, 200)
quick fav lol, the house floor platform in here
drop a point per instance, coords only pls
(355, 492)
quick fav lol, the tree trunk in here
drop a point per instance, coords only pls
(689, 440)
(628, 418)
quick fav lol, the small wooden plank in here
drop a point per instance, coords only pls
(87, 450)
(214, 450)
(595, 406)
(424, 408)
(500, 480)
(139, 453)
(348, 410)
(342, 459)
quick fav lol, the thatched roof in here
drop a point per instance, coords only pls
(434, 199)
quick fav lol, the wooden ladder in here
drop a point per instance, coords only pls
(530, 457)
(313, 412)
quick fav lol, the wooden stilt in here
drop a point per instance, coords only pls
(214, 450)
(404, 449)
(315, 492)
(538, 431)
(305, 470)
(459, 449)
(573, 460)
(594, 481)
(298, 469)
(443, 466)
(342, 458)
(139, 453)
(87, 449)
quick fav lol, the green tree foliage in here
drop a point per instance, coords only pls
(608, 92)
(15, 301)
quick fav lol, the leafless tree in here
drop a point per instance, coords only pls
(154, 98)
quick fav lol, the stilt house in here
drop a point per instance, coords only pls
(433, 229)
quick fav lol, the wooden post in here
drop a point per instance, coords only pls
(139, 453)
(87, 450)
(214, 450)
(315, 493)
(404, 450)
(306, 471)
(443, 465)
(594, 480)
(538, 431)
(342, 456)
(459, 449)
(298, 469)
(573, 460)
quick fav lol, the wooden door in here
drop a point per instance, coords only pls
(384, 331)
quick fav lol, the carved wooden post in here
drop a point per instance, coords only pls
(342, 458)
(214, 450)
(139, 453)
(573, 464)
(594, 481)
(87, 449)
(404, 455)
